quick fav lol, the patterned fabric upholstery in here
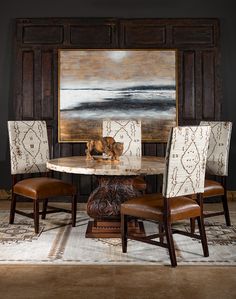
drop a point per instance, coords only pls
(186, 161)
(218, 152)
(29, 148)
(126, 131)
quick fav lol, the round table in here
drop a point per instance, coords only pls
(115, 185)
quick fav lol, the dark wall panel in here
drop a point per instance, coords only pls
(42, 34)
(92, 35)
(139, 35)
(47, 85)
(198, 84)
(193, 35)
(188, 112)
(208, 88)
(36, 68)
(27, 85)
(37, 83)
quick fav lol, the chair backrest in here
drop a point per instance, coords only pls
(29, 148)
(218, 151)
(126, 131)
(186, 155)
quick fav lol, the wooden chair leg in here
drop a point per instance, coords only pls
(161, 231)
(13, 208)
(124, 226)
(44, 211)
(203, 236)
(36, 216)
(74, 209)
(226, 209)
(192, 225)
(170, 243)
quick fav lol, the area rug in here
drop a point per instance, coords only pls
(59, 243)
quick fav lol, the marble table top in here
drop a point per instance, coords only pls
(146, 165)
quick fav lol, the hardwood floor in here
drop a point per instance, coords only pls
(113, 282)
(116, 282)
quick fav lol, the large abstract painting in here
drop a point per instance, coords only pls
(97, 85)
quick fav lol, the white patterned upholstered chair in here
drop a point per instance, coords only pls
(29, 152)
(184, 175)
(129, 133)
(217, 164)
(126, 131)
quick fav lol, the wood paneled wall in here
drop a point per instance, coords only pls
(36, 71)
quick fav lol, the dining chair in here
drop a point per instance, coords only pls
(217, 165)
(29, 152)
(184, 175)
(129, 133)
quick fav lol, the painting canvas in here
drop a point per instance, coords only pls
(97, 85)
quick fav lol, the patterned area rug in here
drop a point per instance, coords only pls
(59, 243)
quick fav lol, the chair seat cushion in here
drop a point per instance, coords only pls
(139, 183)
(43, 187)
(213, 188)
(150, 206)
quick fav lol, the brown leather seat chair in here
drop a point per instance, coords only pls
(217, 165)
(184, 176)
(29, 153)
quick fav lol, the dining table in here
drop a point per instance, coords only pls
(115, 186)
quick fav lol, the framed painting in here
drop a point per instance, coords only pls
(97, 85)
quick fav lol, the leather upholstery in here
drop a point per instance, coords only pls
(184, 176)
(29, 150)
(217, 164)
(43, 187)
(151, 207)
(213, 188)
(139, 183)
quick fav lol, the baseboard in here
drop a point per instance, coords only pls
(6, 195)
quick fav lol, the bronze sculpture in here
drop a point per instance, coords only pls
(106, 145)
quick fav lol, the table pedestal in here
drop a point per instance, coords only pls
(104, 207)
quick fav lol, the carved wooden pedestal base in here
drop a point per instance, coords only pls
(111, 229)
(104, 206)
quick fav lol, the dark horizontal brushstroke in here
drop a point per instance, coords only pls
(121, 104)
(140, 87)
(150, 87)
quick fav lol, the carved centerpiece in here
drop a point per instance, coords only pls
(105, 145)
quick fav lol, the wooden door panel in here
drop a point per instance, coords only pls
(44, 34)
(47, 85)
(141, 35)
(193, 35)
(208, 85)
(188, 112)
(27, 102)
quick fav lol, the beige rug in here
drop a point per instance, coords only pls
(59, 243)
